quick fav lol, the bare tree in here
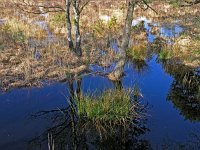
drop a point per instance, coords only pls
(77, 9)
(118, 71)
(76, 6)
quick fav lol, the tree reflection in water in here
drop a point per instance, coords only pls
(185, 89)
(193, 142)
(140, 66)
(68, 133)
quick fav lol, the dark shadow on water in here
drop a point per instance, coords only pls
(140, 66)
(67, 132)
(184, 92)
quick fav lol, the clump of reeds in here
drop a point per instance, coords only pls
(137, 52)
(164, 54)
(112, 108)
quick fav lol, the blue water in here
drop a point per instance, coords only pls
(165, 121)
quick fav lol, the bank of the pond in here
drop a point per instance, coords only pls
(28, 57)
(162, 63)
(172, 112)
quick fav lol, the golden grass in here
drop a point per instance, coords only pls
(138, 52)
(15, 26)
(19, 67)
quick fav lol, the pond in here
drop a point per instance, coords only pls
(172, 119)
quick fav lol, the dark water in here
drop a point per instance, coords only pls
(173, 113)
(167, 121)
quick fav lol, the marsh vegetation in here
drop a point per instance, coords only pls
(104, 74)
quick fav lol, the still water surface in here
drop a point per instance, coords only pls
(173, 112)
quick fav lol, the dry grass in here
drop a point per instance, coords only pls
(186, 49)
(21, 68)
(138, 52)
(18, 67)
(15, 27)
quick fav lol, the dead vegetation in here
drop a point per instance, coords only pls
(19, 65)
(23, 68)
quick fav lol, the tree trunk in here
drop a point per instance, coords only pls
(118, 71)
(69, 26)
(77, 33)
(128, 26)
(77, 48)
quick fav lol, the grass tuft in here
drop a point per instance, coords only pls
(111, 109)
(137, 52)
(164, 54)
(19, 31)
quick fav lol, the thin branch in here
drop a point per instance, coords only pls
(148, 6)
(37, 12)
(23, 5)
(83, 6)
(41, 113)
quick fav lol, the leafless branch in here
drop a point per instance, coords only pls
(28, 8)
(83, 6)
(149, 7)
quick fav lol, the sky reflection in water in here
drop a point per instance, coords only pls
(164, 119)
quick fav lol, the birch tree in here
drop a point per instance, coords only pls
(72, 8)
(77, 9)
(117, 73)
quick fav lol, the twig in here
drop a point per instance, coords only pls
(148, 6)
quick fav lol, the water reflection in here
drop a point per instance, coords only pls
(139, 66)
(67, 132)
(192, 144)
(170, 30)
(184, 91)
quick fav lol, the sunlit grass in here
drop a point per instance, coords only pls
(20, 31)
(164, 54)
(137, 52)
(111, 108)
(107, 107)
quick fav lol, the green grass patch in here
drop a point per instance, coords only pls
(196, 52)
(59, 20)
(175, 3)
(98, 28)
(112, 108)
(138, 52)
(101, 28)
(164, 54)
